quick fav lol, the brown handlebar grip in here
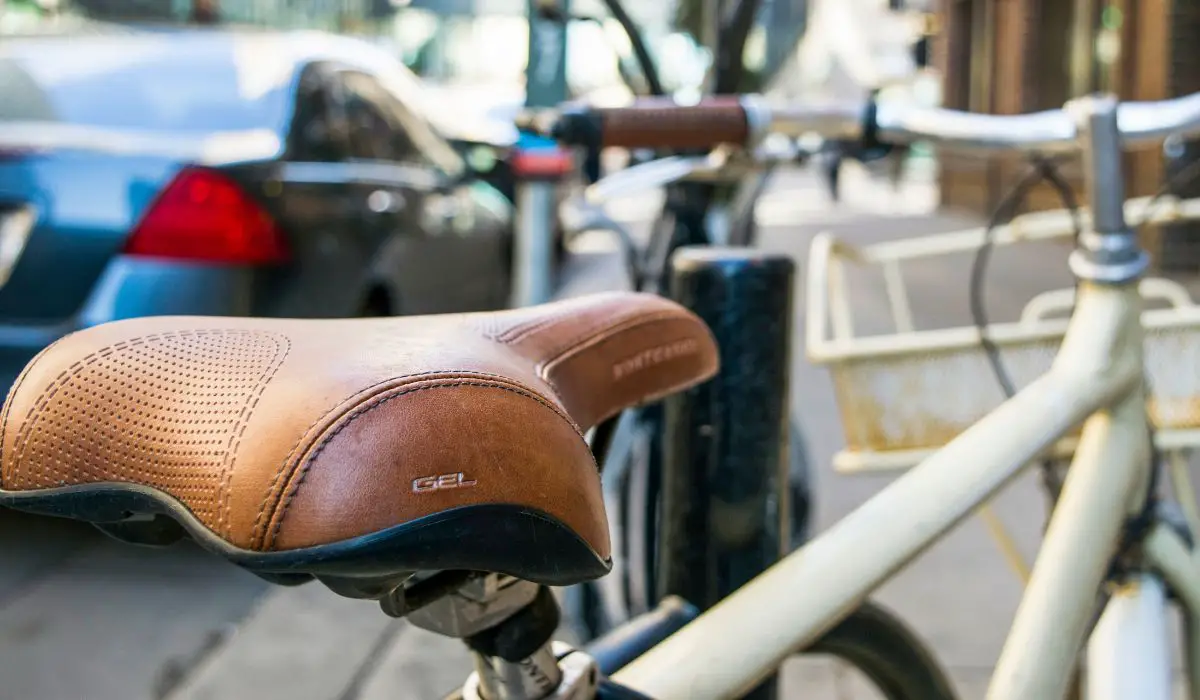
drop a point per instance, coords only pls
(660, 123)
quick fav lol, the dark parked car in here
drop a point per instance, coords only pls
(226, 172)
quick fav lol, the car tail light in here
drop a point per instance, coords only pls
(205, 216)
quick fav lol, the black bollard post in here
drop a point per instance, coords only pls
(726, 516)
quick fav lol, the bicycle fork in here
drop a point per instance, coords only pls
(1128, 655)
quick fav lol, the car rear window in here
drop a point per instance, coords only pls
(140, 87)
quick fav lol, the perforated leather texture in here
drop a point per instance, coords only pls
(165, 410)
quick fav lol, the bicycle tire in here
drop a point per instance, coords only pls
(888, 652)
(883, 648)
(799, 503)
(799, 499)
(638, 527)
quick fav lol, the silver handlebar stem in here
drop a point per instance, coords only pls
(1110, 252)
(1101, 147)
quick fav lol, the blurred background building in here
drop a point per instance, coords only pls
(993, 56)
(1010, 56)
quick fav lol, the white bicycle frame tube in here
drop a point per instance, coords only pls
(1128, 655)
(1172, 557)
(1098, 377)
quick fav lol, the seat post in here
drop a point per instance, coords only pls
(508, 625)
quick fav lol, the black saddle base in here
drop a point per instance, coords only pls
(506, 539)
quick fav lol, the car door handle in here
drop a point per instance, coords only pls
(385, 202)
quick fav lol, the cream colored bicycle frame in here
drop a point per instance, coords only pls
(1096, 381)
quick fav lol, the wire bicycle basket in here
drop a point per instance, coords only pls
(905, 393)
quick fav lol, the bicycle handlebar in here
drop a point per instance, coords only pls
(657, 123)
(1140, 123)
(741, 120)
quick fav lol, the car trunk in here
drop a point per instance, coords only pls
(84, 205)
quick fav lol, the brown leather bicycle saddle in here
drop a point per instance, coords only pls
(353, 448)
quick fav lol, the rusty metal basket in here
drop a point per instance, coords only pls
(904, 393)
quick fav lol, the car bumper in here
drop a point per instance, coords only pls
(129, 288)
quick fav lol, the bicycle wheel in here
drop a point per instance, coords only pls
(885, 650)
(892, 661)
(633, 474)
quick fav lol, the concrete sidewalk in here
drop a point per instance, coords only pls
(83, 617)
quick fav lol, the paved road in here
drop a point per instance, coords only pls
(83, 617)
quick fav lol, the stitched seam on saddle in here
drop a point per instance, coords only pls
(522, 331)
(8, 407)
(75, 368)
(565, 349)
(236, 441)
(279, 483)
(545, 368)
(377, 401)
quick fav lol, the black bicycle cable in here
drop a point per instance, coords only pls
(1041, 169)
(1173, 183)
(1137, 527)
(1047, 170)
(1004, 212)
(1051, 479)
(638, 44)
